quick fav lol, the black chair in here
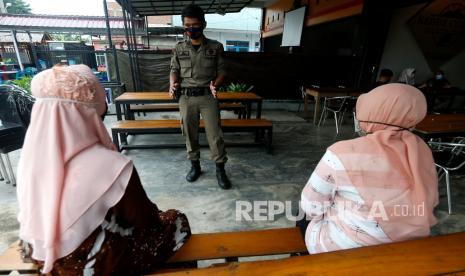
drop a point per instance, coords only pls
(15, 113)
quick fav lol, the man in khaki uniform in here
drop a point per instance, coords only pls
(197, 69)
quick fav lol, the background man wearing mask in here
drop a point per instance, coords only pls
(197, 69)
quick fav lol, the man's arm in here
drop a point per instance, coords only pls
(174, 73)
(220, 72)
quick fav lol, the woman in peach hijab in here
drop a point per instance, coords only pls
(378, 188)
(82, 208)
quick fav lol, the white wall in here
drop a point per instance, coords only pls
(224, 35)
(401, 51)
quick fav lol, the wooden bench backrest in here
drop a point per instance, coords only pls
(435, 255)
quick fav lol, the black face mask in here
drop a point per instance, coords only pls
(194, 32)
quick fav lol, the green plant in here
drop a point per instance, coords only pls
(237, 87)
(24, 83)
(9, 61)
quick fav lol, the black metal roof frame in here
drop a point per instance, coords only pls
(170, 7)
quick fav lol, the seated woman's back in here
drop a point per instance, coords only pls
(82, 207)
(378, 188)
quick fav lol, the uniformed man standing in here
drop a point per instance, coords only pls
(197, 69)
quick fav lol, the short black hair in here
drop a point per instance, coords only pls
(386, 73)
(193, 11)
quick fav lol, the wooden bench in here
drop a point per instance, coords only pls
(147, 108)
(441, 255)
(121, 129)
(11, 260)
(228, 245)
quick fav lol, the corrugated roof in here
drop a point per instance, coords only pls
(92, 25)
(170, 7)
(6, 37)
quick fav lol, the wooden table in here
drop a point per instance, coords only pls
(441, 125)
(163, 97)
(442, 255)
(325, 92)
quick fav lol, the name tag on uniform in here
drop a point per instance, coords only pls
(184, 54)
(211, 53)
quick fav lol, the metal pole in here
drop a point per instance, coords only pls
(137, 67)
(33, 49)
(147, 31)
(18, 56)
(110, 42)
(129, 46)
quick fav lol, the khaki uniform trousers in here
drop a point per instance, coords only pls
(191, 108)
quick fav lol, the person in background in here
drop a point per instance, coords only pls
(355, 195)
(385, 77)
(439, 81)
(407, 76)
(82, 208)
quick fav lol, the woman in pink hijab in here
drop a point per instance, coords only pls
(378, 188)
(82, 208)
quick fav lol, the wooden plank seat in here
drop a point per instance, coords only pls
(147, 108)
(229, 245)
(122, 128)
(11, 261)
(441, 255)
(241, 244)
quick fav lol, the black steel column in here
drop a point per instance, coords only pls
(124, 6)
(136, 63)
(373, 30)
(110, 42)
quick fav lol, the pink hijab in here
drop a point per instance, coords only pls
(69, 173)
(393, 169)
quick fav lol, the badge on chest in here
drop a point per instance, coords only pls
(210, 53)
(184, 54)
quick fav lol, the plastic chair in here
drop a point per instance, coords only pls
(453, 158)
(336, 105)
(15, 112)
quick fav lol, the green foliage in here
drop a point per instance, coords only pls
(24, 83)
(237, 87)
(68, 37)
(17, 7)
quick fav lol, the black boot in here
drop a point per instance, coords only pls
(221, 176)
(195, 171)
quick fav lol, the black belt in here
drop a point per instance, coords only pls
(195, 91)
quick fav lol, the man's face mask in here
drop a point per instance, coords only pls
(439, 77)
(194, 32)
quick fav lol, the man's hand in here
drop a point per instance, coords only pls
(173, 88)
(213, 89)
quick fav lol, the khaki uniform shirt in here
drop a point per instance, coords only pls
(197, 68)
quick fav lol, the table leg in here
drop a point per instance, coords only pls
(118, 111)
(259, 109)
(305, 103)
(248, 108)
(317, 109)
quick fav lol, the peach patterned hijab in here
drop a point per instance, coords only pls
(393, 169)
(67, 164)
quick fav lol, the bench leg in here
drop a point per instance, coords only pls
(124, 138)
(269, 141)
(114, 134)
